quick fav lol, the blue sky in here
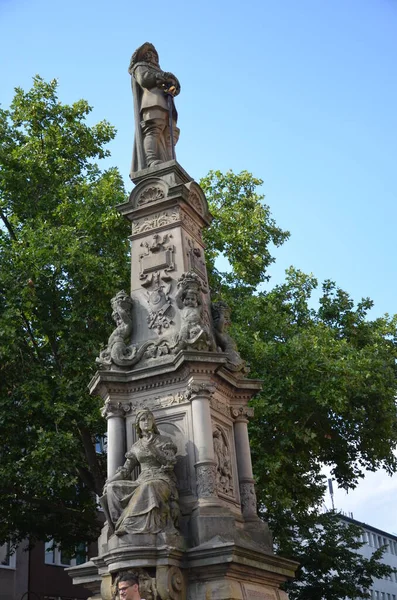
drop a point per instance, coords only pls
(302, 94)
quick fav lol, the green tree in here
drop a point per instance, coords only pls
(329, 372)
(63, 252)
(330, 566)
(329, 382)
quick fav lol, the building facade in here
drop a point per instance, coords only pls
(39, 573)
(372, 539)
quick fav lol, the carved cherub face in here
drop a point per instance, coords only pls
(190, 299)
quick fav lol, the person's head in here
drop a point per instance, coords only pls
(128, 587)
(145, 422)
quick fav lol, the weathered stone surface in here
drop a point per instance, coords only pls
(148, 504)
(156, 132)
(187, 522)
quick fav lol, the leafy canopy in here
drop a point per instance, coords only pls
(329, 375)
(329, 382)
(63, 250)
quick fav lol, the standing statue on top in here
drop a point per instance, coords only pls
(155, 115)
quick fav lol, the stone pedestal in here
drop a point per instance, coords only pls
(169, 355)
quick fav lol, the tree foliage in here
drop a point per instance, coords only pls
(328, 370)
(63, 250)
(330, 566)
(329, 382)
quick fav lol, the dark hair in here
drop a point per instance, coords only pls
(130, 577)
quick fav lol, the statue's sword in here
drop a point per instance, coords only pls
(170, 93)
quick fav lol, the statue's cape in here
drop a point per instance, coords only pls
(138, 154)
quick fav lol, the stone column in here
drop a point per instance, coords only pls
(244, 463)
(115, 416)
(199, 395)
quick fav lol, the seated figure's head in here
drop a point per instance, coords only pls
(145, 422)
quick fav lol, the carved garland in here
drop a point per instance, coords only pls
(154, 221)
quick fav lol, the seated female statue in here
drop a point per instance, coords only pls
(150, 503)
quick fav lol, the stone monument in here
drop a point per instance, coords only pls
(179, 500)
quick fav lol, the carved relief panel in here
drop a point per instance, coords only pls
(196, 260)
(157, 255)
(224, 462)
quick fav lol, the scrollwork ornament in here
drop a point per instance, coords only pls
(242, 412)
(110, 410)
(206, 480)
(154, 222)
(199, 389)
(170, 583)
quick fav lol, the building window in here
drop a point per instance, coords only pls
(101, 444)
(7, 559)
(53, 555)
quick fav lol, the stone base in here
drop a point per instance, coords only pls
(216, 570)
(220, 571)
(209, 520)
(259, 532)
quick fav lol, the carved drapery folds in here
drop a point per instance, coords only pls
(148, 504)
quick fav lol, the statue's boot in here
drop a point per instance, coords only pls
(152, 132)
(175, 136)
